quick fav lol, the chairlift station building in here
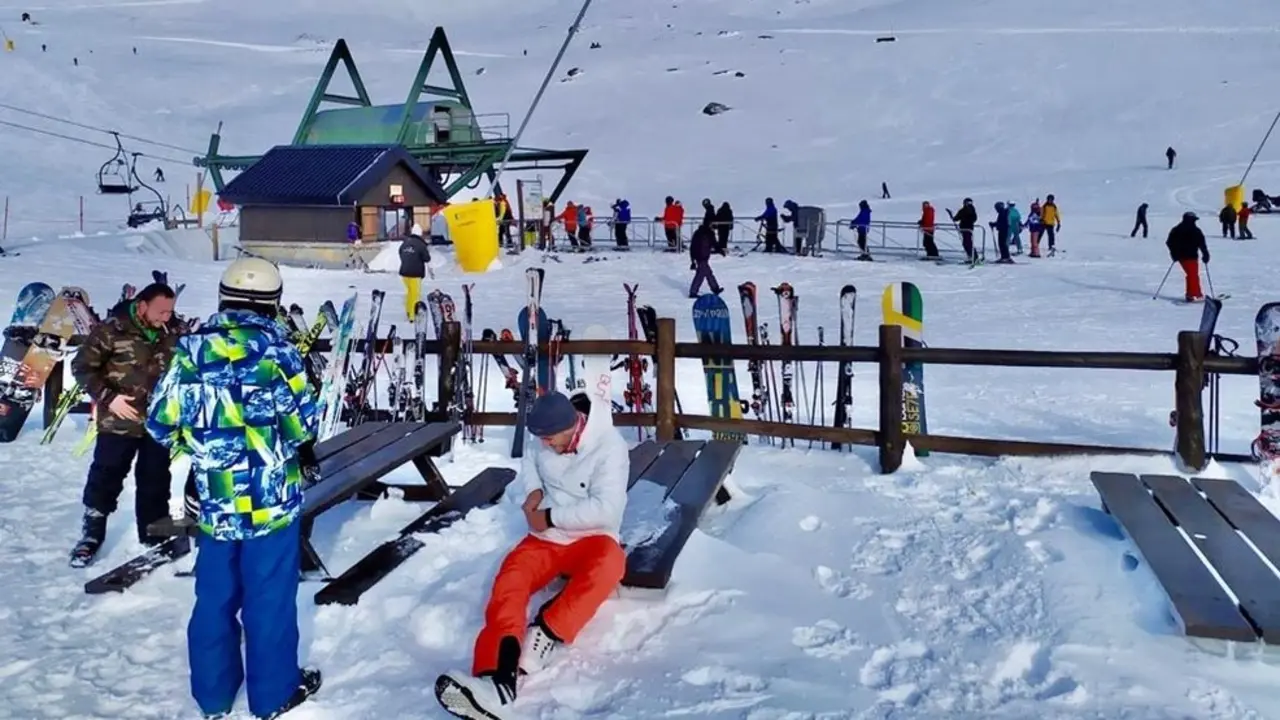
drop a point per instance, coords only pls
(436, 128)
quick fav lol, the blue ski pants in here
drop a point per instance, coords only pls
(256, 579)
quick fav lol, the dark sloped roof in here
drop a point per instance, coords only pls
(321, 175)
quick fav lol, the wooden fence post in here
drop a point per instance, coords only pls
(1187, 386)
(450, 348)
(664, 375)
(892, 439)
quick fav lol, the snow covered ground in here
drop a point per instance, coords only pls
(957, 587)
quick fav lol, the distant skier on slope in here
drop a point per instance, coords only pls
(1015, 228)
(769, 221)
(927, 226)
(1227, 216)
(724, 226)
(861, 225)
(672, 218)
(1140, 221)
(577, 493)
(966, 219)
(1242, 220)
(1035, 226)
(1052, 220)
(1186, 246)
(250, 500)
(621, 221)
(1001, 226)
(1170, 154)
(415, 263)
(700, 249)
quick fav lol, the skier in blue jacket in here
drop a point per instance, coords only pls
(621, 220)
(769, 221)
(861, 224)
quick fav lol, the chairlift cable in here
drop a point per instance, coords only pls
(72, 138)
(83, 126)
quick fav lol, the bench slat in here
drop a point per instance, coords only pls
(347, 438)
(384, 435)
(1249, 516)
(1254, 584)
(347, 481)
(676, 457)
(1198, 602)
(650, 564)
(482, 489)
(641, 457)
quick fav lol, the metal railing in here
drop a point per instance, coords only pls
(463, 127)
(895, 239)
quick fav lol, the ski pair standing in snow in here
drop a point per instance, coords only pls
(118, 366)
(235, 398)
(1186, 246)
(577, 494)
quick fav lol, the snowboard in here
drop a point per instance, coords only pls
(46, 350)
(34, 301)
(544, 336)
(711, 321)
(1267, 447)
(902, 305)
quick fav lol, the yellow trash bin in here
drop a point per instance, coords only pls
(1234, 196)
(473, 228)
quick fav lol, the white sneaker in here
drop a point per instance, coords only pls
(537, 649)
(474, 698)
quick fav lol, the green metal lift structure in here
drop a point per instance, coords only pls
(436, 124)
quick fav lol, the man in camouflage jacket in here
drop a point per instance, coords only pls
(119, 365)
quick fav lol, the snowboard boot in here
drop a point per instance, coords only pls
(93, 530)
(539, 644)
(309, 685)
(487, 697)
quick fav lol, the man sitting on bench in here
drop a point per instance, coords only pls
(235, 398)
(577, 483)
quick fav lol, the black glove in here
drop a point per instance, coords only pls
(308, 462)
(1206, 257)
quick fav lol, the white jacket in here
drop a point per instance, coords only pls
(586, 490)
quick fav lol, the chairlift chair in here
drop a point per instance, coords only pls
(116, 175)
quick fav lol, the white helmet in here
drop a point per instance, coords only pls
(416, 230)
(251, 280)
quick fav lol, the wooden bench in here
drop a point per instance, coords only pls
(352, 465)
(1178, 526)
(670, 486)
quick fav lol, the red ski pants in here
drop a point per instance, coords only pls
(1191, 268)
(594, 565)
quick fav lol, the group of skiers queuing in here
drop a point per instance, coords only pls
(233, 396)
(1235, 223)
(809, 226)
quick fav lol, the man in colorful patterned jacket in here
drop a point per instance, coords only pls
(118, 366)
(235, 398)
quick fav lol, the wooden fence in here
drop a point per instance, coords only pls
(1192, 365)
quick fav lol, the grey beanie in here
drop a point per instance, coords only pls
(550, 414)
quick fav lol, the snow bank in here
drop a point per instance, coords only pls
(192, 244)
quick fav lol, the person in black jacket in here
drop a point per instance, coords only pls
(1170, 154)
(1001, 226)
(723, 226)
(700, 247)
(1186, 246)
(1140, 222)
(1227, 217)
(965, 219)
(415, 259)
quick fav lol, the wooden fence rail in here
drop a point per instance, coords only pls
(1191, 365)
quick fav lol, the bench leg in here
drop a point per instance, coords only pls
(435, 489)
(312, 565)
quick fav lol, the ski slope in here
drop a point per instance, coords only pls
(956, 588)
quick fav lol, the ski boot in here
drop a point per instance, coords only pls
(93, 530)
(310, 684)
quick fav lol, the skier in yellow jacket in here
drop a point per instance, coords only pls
(1052, 220)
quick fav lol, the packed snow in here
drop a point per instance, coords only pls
(956, 587)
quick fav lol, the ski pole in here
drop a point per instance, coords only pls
(1209, 279)
(1166, 279)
